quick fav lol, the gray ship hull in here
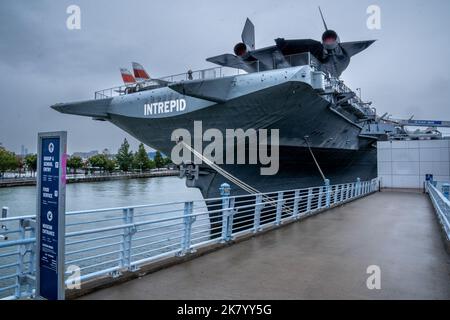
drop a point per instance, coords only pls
(294, 101)
(293, 108)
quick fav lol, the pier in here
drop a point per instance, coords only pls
(78, 178)
(323, 257)
(315, 243)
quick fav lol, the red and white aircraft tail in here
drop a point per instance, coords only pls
(139, 72)
(127, 77)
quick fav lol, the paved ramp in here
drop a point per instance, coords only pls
(323, 257)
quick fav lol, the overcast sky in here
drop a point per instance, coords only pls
(405, 72)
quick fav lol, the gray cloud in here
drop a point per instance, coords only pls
(41, 62)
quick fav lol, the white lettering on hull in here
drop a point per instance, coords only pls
(170, 106)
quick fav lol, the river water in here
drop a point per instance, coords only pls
(105, 194)
(96, 195)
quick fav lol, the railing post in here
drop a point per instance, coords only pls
(24, 277)
(188, 220)
(336, 188)
(280, 203)
(296, 202)
(225, 191)
(328, 193)
(308, 203)
(319, 198)
(342, 192)
(230, 219)
(20, 269)
(125, 261)
(32, 268)
(257, 219)
(5, 211)
(358, 187)
(446, 190)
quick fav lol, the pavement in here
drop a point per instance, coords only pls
(326, 256)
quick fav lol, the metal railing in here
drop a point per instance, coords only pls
(113, 240)
(294, 60)
(210, 73)
(441, 205)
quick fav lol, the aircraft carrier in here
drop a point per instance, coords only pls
(292, 86)
(326, 132)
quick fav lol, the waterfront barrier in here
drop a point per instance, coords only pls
(107, 243)
(78, 178)
(441, 204)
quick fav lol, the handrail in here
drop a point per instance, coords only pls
(208, 73)
(125, 238)
(442, 206)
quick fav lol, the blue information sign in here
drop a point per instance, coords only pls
(51, 215)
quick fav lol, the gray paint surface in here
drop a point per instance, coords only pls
(324, 257)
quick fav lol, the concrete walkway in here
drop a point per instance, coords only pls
(323, 257)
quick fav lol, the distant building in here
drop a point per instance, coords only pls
(85, 155)
(23, 151)
(108, 153)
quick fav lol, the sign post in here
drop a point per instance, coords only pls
(50, 217)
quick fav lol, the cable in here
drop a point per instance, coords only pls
(314, 158)
(230, 177)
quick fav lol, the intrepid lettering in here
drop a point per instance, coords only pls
(169, 106)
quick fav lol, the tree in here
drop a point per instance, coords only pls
(74, 163)
(20, 164)
(159, 161)
(99, 161)
(167, 161)
(31, 162)
(141, 160)
(124, 156)
(151, 164)
(8, 161)
(110, 165)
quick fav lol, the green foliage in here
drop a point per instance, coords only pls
(125, 156)
(141, 160)
(159, 160)
(167, 161)
(74, 163)
(31, 162)
(110, 165)
(99, 161)
(8, 161)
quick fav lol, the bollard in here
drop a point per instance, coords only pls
(446, 190)
(225, 191)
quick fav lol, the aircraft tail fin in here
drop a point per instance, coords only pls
(139, 72)
(248, 34)
(127, 77)
(355, 47)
